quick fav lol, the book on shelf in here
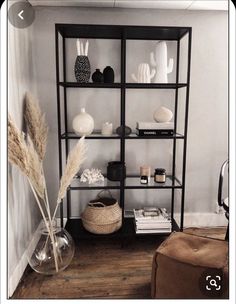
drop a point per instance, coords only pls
(158, 215)
(152, 225)
(155, 125)
(162, 132)
(164, 230)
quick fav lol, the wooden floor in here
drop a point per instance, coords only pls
(102, 269)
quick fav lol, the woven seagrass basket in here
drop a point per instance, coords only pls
(102, 215)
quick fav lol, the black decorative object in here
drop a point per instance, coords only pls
(116, 171)
(82, 69)
(97, 76)
(127, 130)
(108, 74)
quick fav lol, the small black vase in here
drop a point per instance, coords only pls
(108, 74)
(82, 69)
(97, 76)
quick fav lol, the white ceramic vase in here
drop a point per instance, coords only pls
(163, 114)
(83, 123)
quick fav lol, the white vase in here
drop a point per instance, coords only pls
(83, 123)
(163, 114)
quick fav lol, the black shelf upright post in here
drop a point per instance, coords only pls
(122, 120)
(186, 130)
(58, 114)
(68, 194)
(175, 130)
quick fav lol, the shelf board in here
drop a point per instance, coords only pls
(154, 85)
(131, 182)
(135, 136)
(117, 85)
(106, 184)
(94, 135)
(97, 135)
(94, 31)
(75, 227)
(90, 85)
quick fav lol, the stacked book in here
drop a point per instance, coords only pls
(155, 128)
(152, 220)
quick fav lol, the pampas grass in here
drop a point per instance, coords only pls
(36, 125)
(17, 148)
(75, 158)
(28, 157)
(25, 157)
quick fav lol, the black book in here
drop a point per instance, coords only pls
(161, 132)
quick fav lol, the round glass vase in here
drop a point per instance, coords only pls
(54, 250)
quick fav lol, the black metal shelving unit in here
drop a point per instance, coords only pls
(122, 33)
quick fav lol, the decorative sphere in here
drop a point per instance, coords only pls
(163, 114)
(83, 123)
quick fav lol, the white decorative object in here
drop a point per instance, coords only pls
(144, 74)
(91, 176)
(107, 129)
(162, 114)
(83, 123)
(81, 49)
(159, 60)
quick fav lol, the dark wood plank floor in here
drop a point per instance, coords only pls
(102, 269)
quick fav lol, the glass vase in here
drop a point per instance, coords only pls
(54, 250)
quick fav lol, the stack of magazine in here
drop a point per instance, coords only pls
(152, 220)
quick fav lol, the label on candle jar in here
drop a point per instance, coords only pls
(160, 175)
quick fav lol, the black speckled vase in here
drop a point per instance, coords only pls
(82, 69)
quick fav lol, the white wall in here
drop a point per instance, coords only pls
(23, 216)
(207, 137)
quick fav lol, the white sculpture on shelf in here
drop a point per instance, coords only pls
(144, 74)
(159, 60)
(163, 114)
(92, 176)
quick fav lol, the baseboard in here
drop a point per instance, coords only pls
(14, 279)
(203, 219)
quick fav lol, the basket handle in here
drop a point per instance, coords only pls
(96, 203)
(108, 191)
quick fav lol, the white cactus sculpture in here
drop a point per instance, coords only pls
(160, 62)
(144, 74)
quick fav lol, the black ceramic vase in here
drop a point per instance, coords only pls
(82, 69)
(116, 171)
(97, 76)
(108, 74)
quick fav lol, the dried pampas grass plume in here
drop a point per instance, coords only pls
(35, 170)
(24, 157)
(36, 125)
(17, 148)
(75, 158)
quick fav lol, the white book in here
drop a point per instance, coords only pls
(153, 231)
(139, 217)
(155, 125)
(153, 226)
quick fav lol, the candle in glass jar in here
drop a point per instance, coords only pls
(107, 129)
(146, 171)
(160, 175)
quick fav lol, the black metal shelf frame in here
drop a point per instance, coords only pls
(123, 33)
